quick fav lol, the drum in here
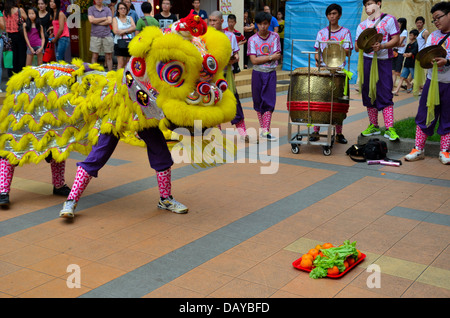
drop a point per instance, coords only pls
(322, 86)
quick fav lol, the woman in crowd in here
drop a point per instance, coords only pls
(60, 30)
(123, 28)
(15, 18)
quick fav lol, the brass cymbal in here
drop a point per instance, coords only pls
(427, 55)
(367, 38)
(333, 55)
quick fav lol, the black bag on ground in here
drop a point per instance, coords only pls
(375, 149)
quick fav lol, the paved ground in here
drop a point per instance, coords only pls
(244, 228)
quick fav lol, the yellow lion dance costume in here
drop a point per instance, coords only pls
(174, 77)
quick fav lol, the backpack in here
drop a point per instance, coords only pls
(375, 149)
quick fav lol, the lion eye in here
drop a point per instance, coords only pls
(210, 64)
(171, 72)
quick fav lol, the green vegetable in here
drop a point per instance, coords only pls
(334, 256)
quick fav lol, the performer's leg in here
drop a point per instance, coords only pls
(339, 136)
(444, 154)
(6, 175)
(87, 169)
(161, 160)
(373, 128)
(418, 151)
(58, 178)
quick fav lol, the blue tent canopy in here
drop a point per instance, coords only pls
(304, 18)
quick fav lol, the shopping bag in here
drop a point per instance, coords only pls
(8, 59)
(49, 53)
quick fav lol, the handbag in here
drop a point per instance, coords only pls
(49, 53)
(8, 59)
(123, 43)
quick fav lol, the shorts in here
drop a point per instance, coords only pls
(121, 52)
(35, 48)
(406, 71)
(397, 63)
(98, 43)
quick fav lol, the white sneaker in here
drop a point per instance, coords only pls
(172, 205)
(268, 136)
(68, 209)
(415, 154)
(444, 157)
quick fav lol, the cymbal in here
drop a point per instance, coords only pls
(427, 55)
(367, 38)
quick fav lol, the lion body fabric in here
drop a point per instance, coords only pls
(54, 109)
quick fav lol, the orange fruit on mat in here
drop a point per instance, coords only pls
(350, 261)
(327, 245)
(333, 271)
(359, 253)
(313, 252)
(318, 247)
(346, 264)
(307, 256)
(306, 263)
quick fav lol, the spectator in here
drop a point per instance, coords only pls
(273, 27)
(198, 11)
(34, 37)
(397, 61)
(44, 19)
(100, 18)
(131, 12)
(60, 29)
(14, 16)
(123, 27)
(240, 38)
(280, 20)
(165, 17)
(249, 30)
(423, 33)
(408, 67)
(112, 6)
(147, 20)
(264, 51)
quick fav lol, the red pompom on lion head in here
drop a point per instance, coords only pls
(193, 24)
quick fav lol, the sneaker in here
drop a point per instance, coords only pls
(444, 157)
(415, 154)
(341, 139)
(4, 199)
(314, 136)
(172, 205)
(391, 134)
(63, 191)
(268, 136)
(371, 130)
(68, 209)
(247, 139)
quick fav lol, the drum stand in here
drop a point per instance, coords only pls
(297, 139)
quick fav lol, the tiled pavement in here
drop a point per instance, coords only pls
(244, 228)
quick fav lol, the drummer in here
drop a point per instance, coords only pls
(336, 33)
(388, 26)
(441, 19)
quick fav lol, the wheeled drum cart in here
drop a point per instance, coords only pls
(316, 97)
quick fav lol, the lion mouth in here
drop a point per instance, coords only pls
(207, 94)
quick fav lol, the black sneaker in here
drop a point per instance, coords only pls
(63, 191)
(4, 199)
(341, 139)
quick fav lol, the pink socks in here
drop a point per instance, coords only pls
(421, 138)
(58, 172)
(6, 175)
(242, 130)
(445, 142)
(164, 183)
(373, 115)
(82, 179)
(388, 116)
(264, 120)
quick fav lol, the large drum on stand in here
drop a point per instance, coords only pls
(311, 93)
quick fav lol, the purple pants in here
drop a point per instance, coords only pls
(441, 112)
(157, 151)
(264, 91)
(239, 111)
(384, 85)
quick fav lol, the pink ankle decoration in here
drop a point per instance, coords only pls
(242, 130)
(266, 118)
(316, 129)
(6, 175)
(373, 115)
(421, 139)
(58, 172)
(338, 129)
(388, 116)
(445, 142)
(80, 183)
(164, 183)
(260, 119)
